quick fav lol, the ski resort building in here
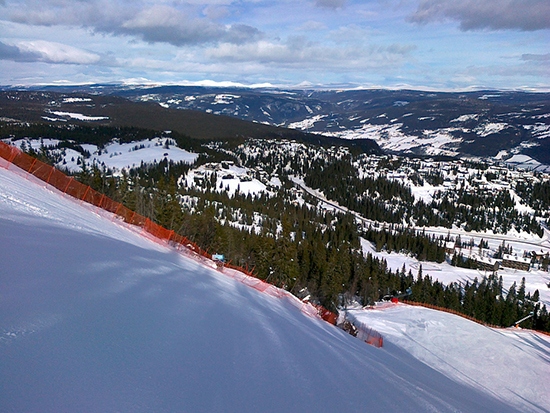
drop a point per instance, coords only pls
(485, 263)
(518, 263)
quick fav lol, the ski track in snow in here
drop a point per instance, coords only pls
(97, 318)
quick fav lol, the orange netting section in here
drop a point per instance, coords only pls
(72, 187)
(366, 334)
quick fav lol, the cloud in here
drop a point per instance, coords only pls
(528, 57)
(331, 4)
(312, 26)
(9, 52)
(525, 15)
(165, 22)
(300, 52)
(47, 52)
(51, 52)
(216, 12)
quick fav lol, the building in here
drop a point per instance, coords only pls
(450, 247)
(518, 263)
(538, 257)
(485, 263)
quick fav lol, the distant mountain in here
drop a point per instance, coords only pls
(81, 107)
(472, 124)
(483, 123)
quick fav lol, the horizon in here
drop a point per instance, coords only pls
(265, 87)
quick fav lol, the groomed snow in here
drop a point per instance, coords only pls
(512, 364)
(97, 318)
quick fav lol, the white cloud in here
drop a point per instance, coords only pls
(51, 52)
(47, 52)
(299, 52)
(173, 23)
(312, 25)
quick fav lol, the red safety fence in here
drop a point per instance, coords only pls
(365, 333)
(447, 310)
(72, 187)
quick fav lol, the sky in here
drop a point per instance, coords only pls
(420, 44)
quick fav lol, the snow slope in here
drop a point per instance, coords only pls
(96, 318)
(512, 364)
(114, 155)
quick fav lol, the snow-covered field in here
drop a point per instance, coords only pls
(97, 318)
(231, 179)
(115, 155)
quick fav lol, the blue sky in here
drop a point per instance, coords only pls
(421, 44)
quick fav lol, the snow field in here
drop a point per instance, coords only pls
(446, 273)
(512, 364)
(116, 155)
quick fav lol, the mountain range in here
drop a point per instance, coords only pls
(485, 124)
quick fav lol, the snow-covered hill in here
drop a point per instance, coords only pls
(97, 318)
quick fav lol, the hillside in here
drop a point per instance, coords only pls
(487, 124)
(98, 318)
(453, 346)
(337, 226)
(65, 111)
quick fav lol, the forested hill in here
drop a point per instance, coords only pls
(65, 111)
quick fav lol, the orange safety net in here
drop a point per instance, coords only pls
(58, 179)
(93, 197)
(76, 189)
(6, 151)
(41, 170)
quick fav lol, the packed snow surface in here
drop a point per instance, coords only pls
(512, 364)
(97, 318)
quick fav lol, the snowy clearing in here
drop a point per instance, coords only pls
(115, 155)
(79, 116)
(446, 273)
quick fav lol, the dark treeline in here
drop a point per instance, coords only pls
(96, 135)
(484, 300)
(421, 246)
(379, 199)
(537, 195)
(480, 211)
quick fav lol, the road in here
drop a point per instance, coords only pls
(543, 244)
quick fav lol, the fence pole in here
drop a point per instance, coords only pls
(30, 168)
